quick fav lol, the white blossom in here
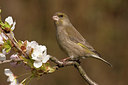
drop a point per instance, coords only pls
(39, 54)
(13, 26)
(14, 56)
(30, 45)
(2, 38)
(11, 77)
(9, 20)
(4, 51)
(2, 56)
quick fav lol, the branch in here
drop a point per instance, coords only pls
(76, 65)
(53, 59)
(84, 75)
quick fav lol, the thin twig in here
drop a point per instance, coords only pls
(15, 44)
(55, 60)
(9, 61)
(5, 61)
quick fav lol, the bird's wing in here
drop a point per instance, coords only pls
(76, 37)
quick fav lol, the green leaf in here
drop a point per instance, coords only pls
(7, 50)
(2, 24)
(6, 25)
(9, 43)
(42, 67)
(20, 43)
(7, 46)
(23, 58)
(51, 70)
(47, 68)
(29, 62)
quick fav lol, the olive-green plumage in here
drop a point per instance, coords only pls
(71, 41)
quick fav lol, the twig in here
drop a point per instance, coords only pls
(9, 61)
(5, 61)
(55, 60)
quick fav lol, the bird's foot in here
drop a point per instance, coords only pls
(65, 59)
(69, 59)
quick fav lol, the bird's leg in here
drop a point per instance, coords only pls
(70, 59)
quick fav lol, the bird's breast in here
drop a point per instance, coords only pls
(70, 47)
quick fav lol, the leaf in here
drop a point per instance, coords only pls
(29, 62)
(7, 50)
(6, 25)
(51, 69)
(47, 68)
(9, 42)
(23, 58)
(20, 43)
(7, 46)
(42, 68)
(2, 24)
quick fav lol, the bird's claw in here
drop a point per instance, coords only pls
(65, 59)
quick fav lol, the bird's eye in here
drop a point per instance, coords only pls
(60, 16)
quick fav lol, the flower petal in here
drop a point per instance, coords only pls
(4, 36)
(14, 56)
(42, 48)
(2, 56)
(13, 26)
(14, 82)
(9, 20)
(10, 78)
(7, 72)
(37, 64)
(1, 40)
(46, 58)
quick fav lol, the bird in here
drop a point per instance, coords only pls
(71, 41)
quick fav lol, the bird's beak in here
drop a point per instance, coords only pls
(56, 18)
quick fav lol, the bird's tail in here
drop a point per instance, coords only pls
(97, 57)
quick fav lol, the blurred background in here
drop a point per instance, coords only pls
(103, 23)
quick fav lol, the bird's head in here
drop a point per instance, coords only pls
(61, 18)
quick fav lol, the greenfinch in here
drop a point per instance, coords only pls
(71, 41)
